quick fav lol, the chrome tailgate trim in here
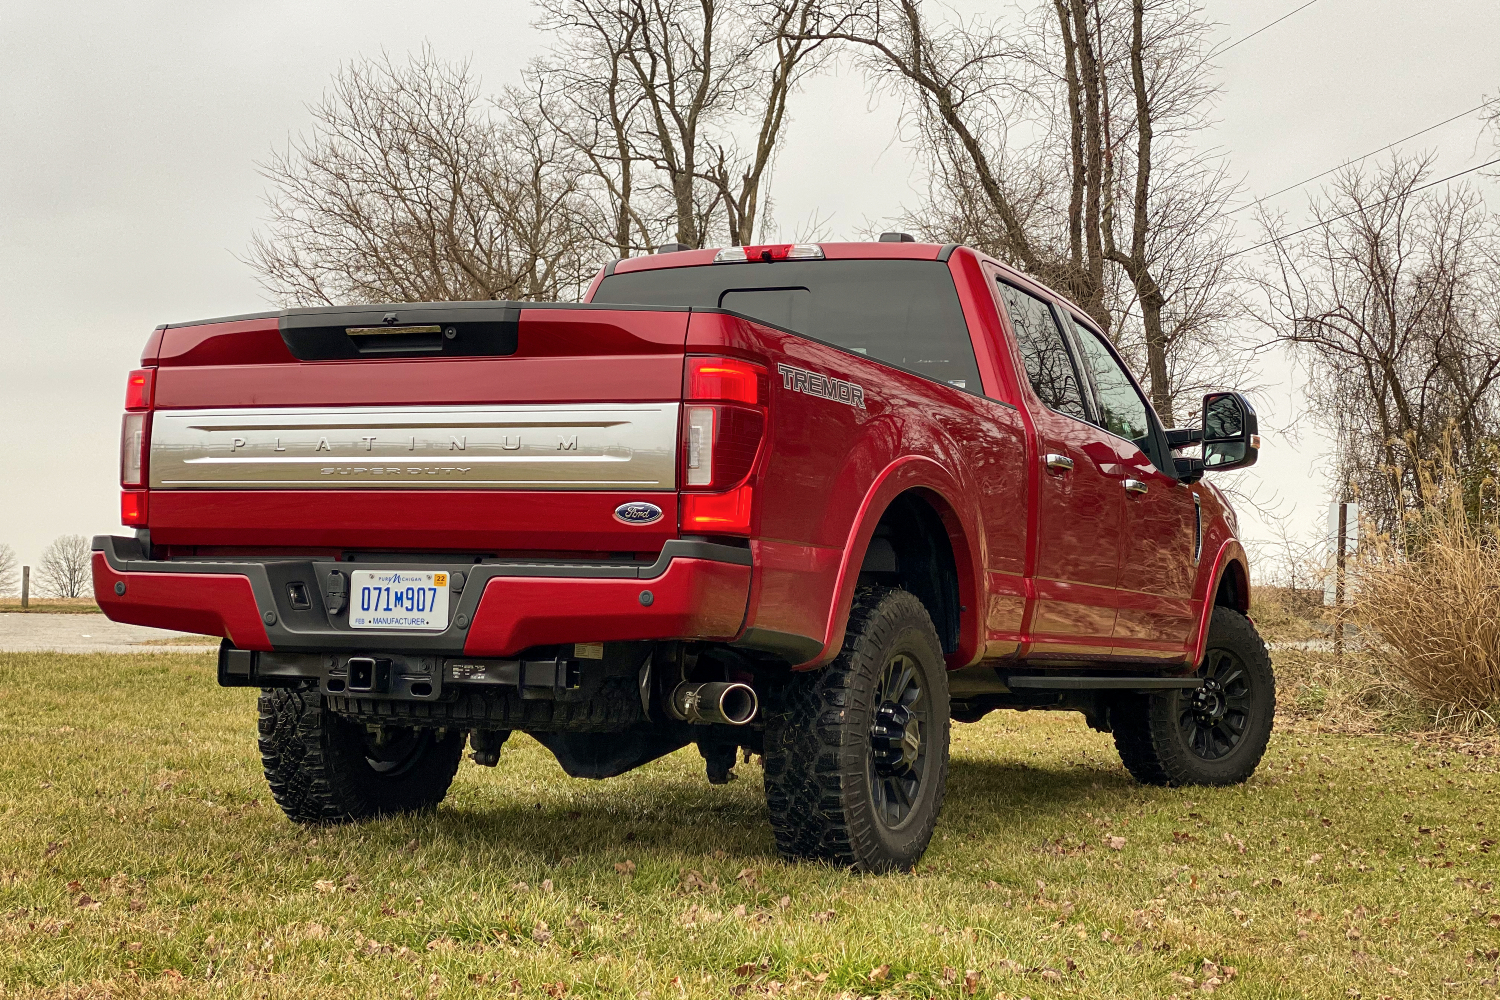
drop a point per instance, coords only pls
(573, 446)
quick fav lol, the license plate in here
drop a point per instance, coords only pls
(398, 599)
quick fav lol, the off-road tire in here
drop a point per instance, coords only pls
(317, 764)
(820, 773)
(1154, 732)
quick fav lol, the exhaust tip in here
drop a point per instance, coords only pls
(715, 703)
(738, 704)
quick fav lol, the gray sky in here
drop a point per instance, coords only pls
(128, 184)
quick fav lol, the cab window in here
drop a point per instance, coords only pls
(1049, 366)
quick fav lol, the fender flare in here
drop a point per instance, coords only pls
(911, 472)
(1230, 558)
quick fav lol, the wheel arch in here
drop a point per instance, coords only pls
(1227, 586)
(925, 490)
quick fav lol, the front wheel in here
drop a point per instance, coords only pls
(857, 753)
(1213, 735)
(324, 768)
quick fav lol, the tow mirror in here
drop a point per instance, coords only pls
(1231, 434)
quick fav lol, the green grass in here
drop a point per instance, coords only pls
(50, 606)
(140, 855)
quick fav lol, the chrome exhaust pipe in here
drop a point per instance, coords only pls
(715, 702)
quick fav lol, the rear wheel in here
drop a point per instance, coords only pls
(1213, 735)
(323, 768)
(857, 753)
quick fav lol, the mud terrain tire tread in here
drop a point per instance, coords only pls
(1145, 726)
(817, 792)
(315, 763)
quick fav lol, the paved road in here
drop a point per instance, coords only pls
(87, 634)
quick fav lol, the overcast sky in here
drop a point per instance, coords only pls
(128, 184)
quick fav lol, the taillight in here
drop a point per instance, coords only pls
(727, 379)
(133, 508)
(133, 449)
(135, 431)
(138, 389)
(721, 445)
(722, 426)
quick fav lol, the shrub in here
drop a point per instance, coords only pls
(1430, 595)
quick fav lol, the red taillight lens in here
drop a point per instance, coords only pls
(721, 441)
(133, 508)
(729, 379)
(138, 389)
(718, 513)
(133, 449)
(721, 445)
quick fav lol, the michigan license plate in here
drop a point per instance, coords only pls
(398, 599)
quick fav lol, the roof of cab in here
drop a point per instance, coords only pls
(831, 251)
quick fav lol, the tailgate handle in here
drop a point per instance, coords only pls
(396, 339)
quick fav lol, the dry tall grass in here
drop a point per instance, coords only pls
(1430, 600)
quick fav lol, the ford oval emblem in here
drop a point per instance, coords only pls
(638, 512)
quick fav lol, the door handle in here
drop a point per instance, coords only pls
(1135, 486)
(1059, 463)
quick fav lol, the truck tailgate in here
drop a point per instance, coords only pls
(263, 435)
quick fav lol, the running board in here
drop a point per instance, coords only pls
(1101, 683)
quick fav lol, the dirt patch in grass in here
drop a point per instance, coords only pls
(141, 855)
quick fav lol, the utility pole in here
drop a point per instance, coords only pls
(25, 587)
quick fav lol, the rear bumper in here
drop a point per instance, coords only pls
(694, 590)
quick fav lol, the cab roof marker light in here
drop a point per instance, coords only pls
(769, 252)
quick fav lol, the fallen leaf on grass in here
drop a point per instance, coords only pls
(1116, 843)
(325, 885)
(87, 902)
(950, 974)
(880, 973)
(824, 916)
(746, 969)
(539, 932)
(971, 982)
(556, 989)
(625, 867)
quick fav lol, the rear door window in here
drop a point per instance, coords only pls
(904, 313)
(1049, 366)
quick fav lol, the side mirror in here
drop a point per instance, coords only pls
(1231, 434)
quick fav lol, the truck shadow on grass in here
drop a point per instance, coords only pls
(659, 814)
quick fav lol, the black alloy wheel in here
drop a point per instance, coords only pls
(391, 752)
(1214, 717)
(898, 758)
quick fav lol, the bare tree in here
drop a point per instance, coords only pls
(10, 572)
(1391, 302)
(1061, 142)
(412, 187)
(64, 569)
(678, 106)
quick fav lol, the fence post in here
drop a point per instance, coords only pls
(25, 587)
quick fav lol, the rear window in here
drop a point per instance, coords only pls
(904, 313)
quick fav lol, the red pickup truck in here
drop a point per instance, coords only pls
(808, 501)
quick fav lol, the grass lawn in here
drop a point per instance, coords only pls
(140, 855)
(50, 606)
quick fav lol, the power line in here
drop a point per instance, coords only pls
(1283, 17)
(1356, 211)
(1358, 159)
